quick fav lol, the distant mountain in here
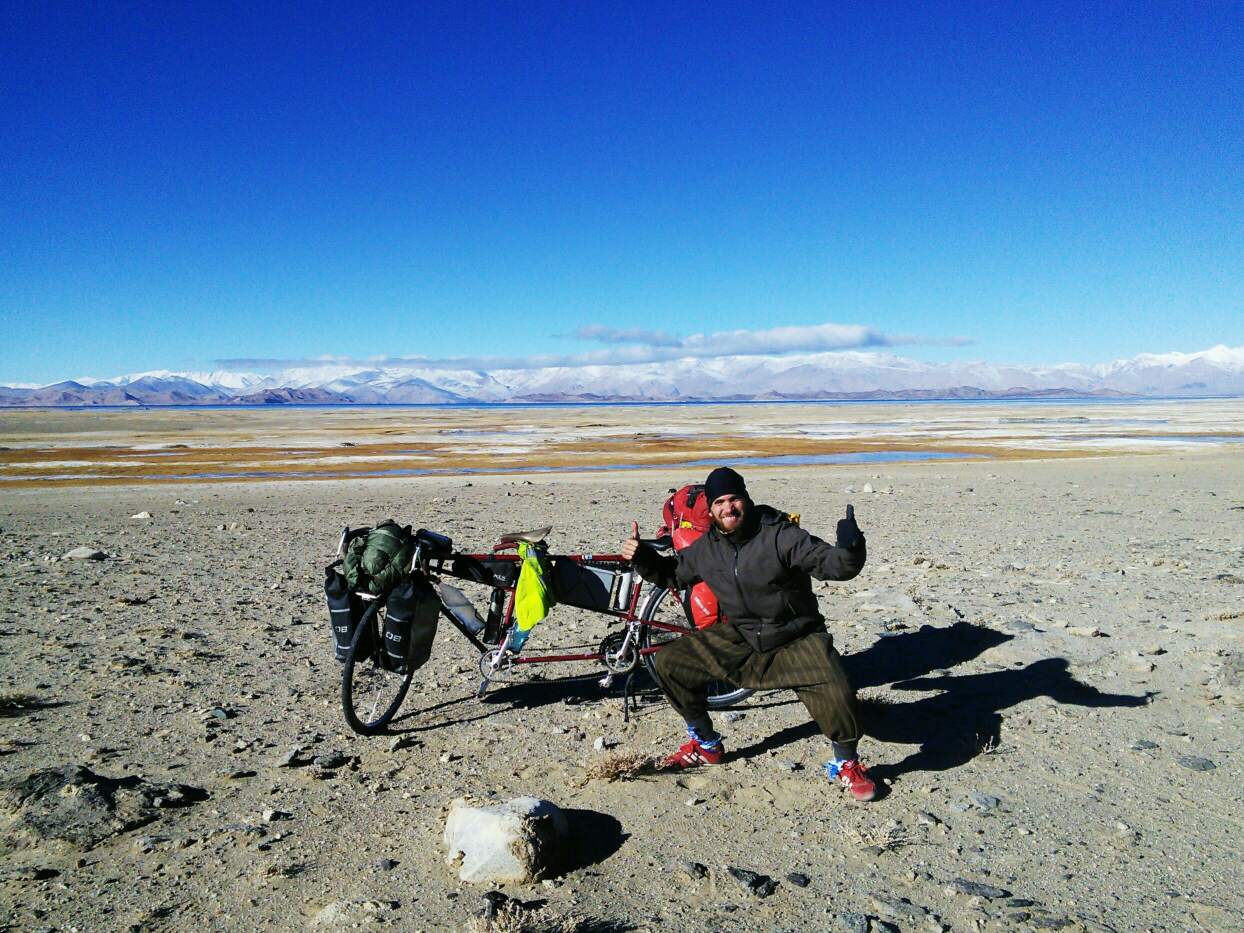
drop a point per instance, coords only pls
(844, 375)
(287, 396)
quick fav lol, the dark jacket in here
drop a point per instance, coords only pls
(761, 574)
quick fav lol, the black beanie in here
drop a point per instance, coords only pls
(723, 481)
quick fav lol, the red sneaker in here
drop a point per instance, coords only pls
(693, 754)
(853, 776)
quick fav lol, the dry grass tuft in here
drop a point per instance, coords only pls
(877, 841)
(514, 918)
(986, 744)
(620, 766)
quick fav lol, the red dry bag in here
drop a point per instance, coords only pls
(686, 518)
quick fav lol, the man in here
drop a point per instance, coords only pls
(760, 566)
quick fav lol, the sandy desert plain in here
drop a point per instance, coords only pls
(1047, 633)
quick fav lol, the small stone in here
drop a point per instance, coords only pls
(734, 716)
(1086, 631)
(868, 487)
(984, 801)
(852, 922)
(599, 744)
(494, 901)
(385, 864)
(898, 908)
(330, 760)
(275, 816)
(292, 758)
(785, 764)
(798, 879)
(1143, 745)
(27, 873)
(692, 870)
(84, 553)
(219, 712)
(976, 889)
(927, 819)
(1195, 763)
(448, 757)
(141, 515)
(694, 801)
(755, 883)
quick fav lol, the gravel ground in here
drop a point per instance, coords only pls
(1050, 650)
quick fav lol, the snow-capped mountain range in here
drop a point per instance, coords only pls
(1217, 371)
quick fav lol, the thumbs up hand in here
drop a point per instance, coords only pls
(631, 544)
(849, 534)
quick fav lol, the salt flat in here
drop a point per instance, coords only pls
(1051, 647)
(119, 446)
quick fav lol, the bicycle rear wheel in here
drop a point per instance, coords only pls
(666, 606)
(371, 693)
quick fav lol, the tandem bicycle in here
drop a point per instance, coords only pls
(641, 618)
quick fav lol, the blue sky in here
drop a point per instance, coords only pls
(1013, 182)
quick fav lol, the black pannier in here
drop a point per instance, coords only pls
(586, 586)
(344, 611)
(410, 621)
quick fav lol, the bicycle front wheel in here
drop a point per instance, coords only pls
(666, 607)
(371, 693)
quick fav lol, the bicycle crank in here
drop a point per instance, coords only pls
(497, 664)
(619, 653)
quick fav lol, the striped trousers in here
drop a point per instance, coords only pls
(809, 665)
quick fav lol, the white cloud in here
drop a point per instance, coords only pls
(641, 346)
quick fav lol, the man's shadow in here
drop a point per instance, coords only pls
(965, 719)
(962, 721)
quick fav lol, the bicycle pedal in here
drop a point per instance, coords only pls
(605, 682)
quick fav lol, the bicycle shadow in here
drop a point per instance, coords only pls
(438, 724)
(913, 654)
(965, 718)
(571, 691)
(533, 694)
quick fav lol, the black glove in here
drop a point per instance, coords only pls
(849, 534)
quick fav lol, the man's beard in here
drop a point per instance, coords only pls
(739, 522)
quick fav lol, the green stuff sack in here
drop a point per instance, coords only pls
(379, 560)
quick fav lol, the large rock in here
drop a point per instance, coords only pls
(84, 553)
(518, 841)
(76, 806)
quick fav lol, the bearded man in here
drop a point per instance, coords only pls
(760, 565)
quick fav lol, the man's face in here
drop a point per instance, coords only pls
(728, 513)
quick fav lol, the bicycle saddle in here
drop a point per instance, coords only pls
(531, 537)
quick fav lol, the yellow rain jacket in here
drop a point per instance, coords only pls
(533, 598)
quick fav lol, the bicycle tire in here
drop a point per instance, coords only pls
(721, 693)
(370, 693)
